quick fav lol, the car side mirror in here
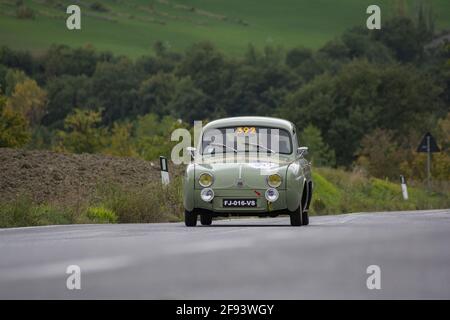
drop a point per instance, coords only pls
(302, 151)
(191, 151)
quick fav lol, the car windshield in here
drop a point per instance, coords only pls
(241, 139)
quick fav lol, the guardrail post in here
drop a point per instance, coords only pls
(404, 187)
(165, 180)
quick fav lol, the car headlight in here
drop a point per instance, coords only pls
(205, 179)
(207, 194)
(272, 194)
(274, 180)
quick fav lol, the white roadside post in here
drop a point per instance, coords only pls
(404, 187)
(165, 180)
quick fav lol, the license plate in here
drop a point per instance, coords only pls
(239, 203)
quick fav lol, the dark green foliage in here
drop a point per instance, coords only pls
(3, 72)
(190, 103)
(402, 37)
(362, 97)
(98, 6)
(206, 66)
(24, 12)
(297, 56)
(157, 92)
(115, 89)
(318, 151)
(17, 59)
(354, 84)
(62, 60)
(65, 93)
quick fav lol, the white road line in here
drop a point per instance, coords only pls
(58, 269)
(208, 246)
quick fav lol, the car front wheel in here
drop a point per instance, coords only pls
(206, 219)
(190, 218)
(305, 218)
(296, 217)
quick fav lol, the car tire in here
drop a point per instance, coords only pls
(305, 218)
(206, 219)
(190, 218)
(296, 217)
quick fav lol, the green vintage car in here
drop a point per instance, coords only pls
(247, 166)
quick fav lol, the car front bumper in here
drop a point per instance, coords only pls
(262, 205)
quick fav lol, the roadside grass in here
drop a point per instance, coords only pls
(111, 203)
(338, 191)
(101, 215)
(151, 203)
(23, 212)
(335, 192)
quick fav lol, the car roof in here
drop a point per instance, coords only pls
(251, 121)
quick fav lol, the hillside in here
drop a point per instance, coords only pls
(130, 27)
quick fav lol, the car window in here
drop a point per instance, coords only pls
(246, 139)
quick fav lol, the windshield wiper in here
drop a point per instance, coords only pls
(259, 146)
(222, 145)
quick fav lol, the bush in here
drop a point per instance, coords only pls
(338, 191)
(15, 213)
(48, 215)
(83, 132)
(101, 215)
(24, 12)
(98, 6)
(22, 212)
(14, 131)
(150, 203)
(319, 206)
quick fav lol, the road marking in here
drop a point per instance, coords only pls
(208, 246)
(58, 269)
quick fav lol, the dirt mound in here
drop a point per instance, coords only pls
(49, 176)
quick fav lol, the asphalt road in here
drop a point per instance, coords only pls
(234, 259)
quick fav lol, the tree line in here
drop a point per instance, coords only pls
(363, 99)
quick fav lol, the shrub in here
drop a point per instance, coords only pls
(83, 132)
(15, 213)
(147, 204)
(337, 191)
(101, 215)
(23, 212)
(98, 6)
(47, 215)
(14, 131)
(319, 206)
(24, 12)
(319, 152)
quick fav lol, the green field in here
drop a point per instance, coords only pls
(131, 26)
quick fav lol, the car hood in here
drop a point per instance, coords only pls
(250, 173)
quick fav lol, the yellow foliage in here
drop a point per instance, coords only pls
(30, 100)
(121, 144)
(13, 127)
(83, 133)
